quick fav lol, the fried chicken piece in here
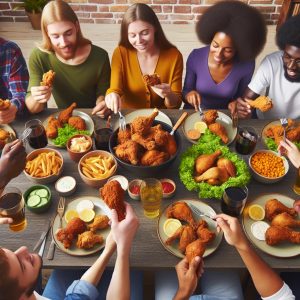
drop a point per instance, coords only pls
(216, 174)
(77, 122)
(88, 240)
(100, 222)
(220, 131)
(263, 103)
(52, 127)
(285, 220)
(154, 158)
(226, 163)
(69, 233)
(159, 135)
(206, 161)
(129, 151)
(196, 248)
(113, 195)
(203, 233)
(170, 146)
(65, 115)
(185, 234)
(181, 211)
(48, 78)
(4, 134)
(4, 104)
(151, 80)
(274, 207)
(294, 134)
(148, 143)
(210, 116)
(142, 125)
(276, 235)
(124, 135)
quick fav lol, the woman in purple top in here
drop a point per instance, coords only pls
(218, 74)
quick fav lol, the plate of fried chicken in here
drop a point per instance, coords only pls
(197, 235)
(282, 237)
(7, 135)
(216, 121)
(80, 238)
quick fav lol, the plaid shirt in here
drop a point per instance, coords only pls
(13, 74)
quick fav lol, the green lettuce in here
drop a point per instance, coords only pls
(271, 145)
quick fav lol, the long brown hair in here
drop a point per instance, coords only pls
(142, 12)
(57, 11)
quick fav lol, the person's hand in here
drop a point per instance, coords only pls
(5, 220)
(101, 110)
(162, 90)
(232, 107)
(194, 99)
(113, 102)
(124, 231)
(110, 244)
(232, 231)
(12, 161)
(188, 276)
(297, 206)
(41, 94)
(243, 109)
(8, 115)
(291, 150)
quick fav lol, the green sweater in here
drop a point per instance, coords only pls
(82, 83)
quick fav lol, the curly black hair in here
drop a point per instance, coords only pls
(289, 33)
(243, 23)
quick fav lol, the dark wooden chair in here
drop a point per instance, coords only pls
(289, 8)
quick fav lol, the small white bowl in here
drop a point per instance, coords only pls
(66, 185)
(121, 179)
(135, 182)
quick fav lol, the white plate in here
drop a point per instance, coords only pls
(144, 113)
(223, 119)
(9, 129)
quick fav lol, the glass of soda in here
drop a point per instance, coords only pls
(37, 138)
(246, 140)
(101, 136)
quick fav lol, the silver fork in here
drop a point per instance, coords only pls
(122, 121)
(199, 213)
(284, 124)
(25, 134)
(200, 111)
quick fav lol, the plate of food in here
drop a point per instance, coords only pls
(162, 117)
(7, 135)
(216, 121)
(268, 234)
(272, 133)
(62, 125)
(178, 227)
(84, 226)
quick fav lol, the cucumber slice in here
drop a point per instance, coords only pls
(43, 193)
(43, 202)
(32, 193)
(33, 201)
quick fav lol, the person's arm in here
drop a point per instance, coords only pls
(291, 150)
(265, 279)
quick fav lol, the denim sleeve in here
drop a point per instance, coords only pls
(82, 290)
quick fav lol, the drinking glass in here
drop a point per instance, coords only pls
(12, 205)
(234, 200)
(151, 195)
(246, 140)
(101, 136)
(296, 186)
(37, 138)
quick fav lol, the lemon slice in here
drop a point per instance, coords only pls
(256, 212)
(87, 215)
(170, 226)
(70, 214)
(84, 204)
(200, 126)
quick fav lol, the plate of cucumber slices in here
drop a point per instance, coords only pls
(38, 198)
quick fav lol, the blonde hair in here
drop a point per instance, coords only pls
(57, 11)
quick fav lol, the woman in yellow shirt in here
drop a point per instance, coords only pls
(143, 50)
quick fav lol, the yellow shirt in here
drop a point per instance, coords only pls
(127, 78)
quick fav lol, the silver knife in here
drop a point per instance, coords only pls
(41, 251)
(43, 235)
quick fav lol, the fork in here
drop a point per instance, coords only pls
(284, 124)
(60, 211)
(25, 134)
(122, 121)
(200, 111)
(199, 213)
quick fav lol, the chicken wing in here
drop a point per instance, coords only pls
(263, 103)
(206, 161)
(203, 233)
(48, 78)
(154, 158)
(77, 122)
(88, 240)
(142, 125)
(210, 116)
(274, 207)
(220, 131)
(129, 151)
(276, 235)
(146, 142)
(52, 127)
(196, 248)
(181, 211)
(152, 79)
(285, 220)
(113, 195)
(64, 116)
(100, 222)
(124, 135)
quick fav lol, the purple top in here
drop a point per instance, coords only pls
(215, 95)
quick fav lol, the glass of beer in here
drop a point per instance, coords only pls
(151, 195)
(37, 138)
(296, 186)
(12, 205)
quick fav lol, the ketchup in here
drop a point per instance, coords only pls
(167, 187)
(135, 189)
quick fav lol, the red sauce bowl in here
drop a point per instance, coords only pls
(168, 186)
(134, 189)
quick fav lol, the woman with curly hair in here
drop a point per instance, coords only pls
(219, 73)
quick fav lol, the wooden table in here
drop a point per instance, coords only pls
(147, 251)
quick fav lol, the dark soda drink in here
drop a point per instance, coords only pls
(233, 201)
(102, 136)
(37, 138)
(245, 142)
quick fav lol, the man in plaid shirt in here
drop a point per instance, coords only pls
(14, 79)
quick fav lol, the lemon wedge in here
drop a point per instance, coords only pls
(170, 226)
(87, 215)
(256, 212)
(200, 126)
(70, 214)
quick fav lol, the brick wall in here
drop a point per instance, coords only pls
(168, 11)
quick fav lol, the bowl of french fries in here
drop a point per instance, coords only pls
(44, 165)
(96, 167)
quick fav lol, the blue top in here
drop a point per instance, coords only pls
(215, 95)
(81, 290)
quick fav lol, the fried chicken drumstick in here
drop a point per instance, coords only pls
(276, 235)
(263, 103)
(181, 211)
(274, 207)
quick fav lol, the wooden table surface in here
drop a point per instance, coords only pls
(147, 251)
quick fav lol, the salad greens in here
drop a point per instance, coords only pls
(271, 145)
(209, 143)
(65, 133)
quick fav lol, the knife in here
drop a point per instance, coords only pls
(43, 235)
(41, 251)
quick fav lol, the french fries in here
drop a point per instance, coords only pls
(98, 167)
(45, 164)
